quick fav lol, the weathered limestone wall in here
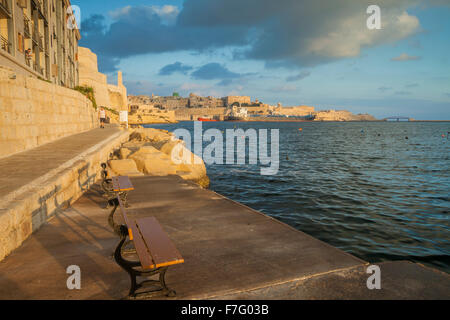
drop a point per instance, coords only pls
(107, 95)
(342, 115)
(295, 111)
(194, 113)
(89, 76)
(24, 212)
(240, 99)
(34, 112)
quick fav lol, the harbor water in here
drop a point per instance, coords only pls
(377, 190)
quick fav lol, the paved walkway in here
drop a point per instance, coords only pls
(20, 169)
(230, 251)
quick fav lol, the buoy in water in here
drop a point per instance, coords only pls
(443, 136)
(301, 129)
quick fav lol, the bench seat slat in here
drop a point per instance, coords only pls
(141, 249)
(122, 183)
(159, 245)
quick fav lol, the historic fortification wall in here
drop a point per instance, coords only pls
(34, 112)
(295, 111)
(194, 113)
(107, 95)
(342, 115)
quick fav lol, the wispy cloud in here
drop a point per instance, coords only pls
(299, 76)
(176, 67)
(212, 71)
(384, 89)
(402, 93)
(406, 57)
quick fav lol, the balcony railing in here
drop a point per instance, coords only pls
(26, 27)
(5, 9)
(35, 35)
(40, 8)
(38, 68)
(5, 44)
(41, 41)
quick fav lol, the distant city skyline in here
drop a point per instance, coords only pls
(294, 52)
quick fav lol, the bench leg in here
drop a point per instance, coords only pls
(111, 222)
(129, 267)
(116, 228)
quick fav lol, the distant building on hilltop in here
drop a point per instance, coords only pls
(39, 38)
(229, 100)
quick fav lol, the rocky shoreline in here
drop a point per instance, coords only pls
(156, 152)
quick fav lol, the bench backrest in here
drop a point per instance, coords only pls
(127, 220)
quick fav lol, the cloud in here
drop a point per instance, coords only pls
(402, 93)
(213, 71)
(167, 13)
(287, 33)
(176, 67)
(384, 89)
(225, 82)
(285, 88)
(300, 76)
(405, 57)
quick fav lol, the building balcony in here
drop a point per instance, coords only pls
(35, 36)
(38, 68)
(5, 44)
(41, 42)
(5, 9)
(26, 27)
(39, 5)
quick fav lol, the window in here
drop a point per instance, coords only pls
(20, 42)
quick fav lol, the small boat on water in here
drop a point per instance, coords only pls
(207, 119)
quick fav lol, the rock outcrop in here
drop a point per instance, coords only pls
(158, 153)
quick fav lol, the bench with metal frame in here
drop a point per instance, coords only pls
(155, 251)
(112, 187)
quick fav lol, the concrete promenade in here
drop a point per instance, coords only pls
(230, 252)
(37, 184)
(21, 169)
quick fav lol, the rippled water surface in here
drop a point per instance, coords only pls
(380, 191)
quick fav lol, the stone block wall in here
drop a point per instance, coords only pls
(34, 112)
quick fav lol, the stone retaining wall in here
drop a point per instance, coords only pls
(34, 112)
(40, 200)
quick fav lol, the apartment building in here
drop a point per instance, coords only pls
(40, 38)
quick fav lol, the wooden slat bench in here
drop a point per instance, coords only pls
(121, 185)
(155, 251)
(114, 186)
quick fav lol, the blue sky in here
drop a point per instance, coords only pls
(317, 53)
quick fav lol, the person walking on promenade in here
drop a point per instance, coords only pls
(102, 116)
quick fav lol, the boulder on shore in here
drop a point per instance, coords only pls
(126, 167)
(158, 153)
